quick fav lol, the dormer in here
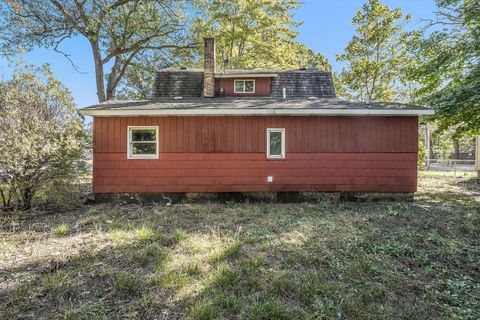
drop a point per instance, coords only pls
(244, 83)
(209, 83)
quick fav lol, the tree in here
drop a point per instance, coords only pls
(251, 34)
(254, 34)
(41, 133)
(118, 31)
(376, 56)
(448, 66)
(137, 83)
(306, 58)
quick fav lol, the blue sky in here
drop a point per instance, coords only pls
(326, 29)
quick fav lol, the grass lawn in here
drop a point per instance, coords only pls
(324, 259)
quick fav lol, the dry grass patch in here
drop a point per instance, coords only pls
(323, 259)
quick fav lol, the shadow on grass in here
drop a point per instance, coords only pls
(319, 260)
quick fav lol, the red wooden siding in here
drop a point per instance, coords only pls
(262, 87)
(213, 154)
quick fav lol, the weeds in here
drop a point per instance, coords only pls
(86, 311)
(61, 230)
(123, 282)
(323, 259)
(231, 251)
(57, 284)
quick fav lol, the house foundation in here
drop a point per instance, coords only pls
(271, 197)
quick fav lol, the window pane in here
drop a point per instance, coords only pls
(249, 86)
(144, 148)
(239, 86)
(144, 135)
(275, 143)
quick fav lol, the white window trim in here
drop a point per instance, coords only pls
(129, 142)
(243, 80)
(282, 155)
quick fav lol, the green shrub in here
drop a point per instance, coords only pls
(61, 230)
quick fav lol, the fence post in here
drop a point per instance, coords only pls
(477, 156)
(427, 146)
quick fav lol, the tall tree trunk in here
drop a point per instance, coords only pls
(27, 198)
(112, 79)
(99, 77)
(110, 86)
(432, 143)
(456, 145)
(118, 70)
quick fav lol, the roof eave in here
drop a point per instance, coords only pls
(245, 75)
(253, 112)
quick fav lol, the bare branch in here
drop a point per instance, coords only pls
(66, 55)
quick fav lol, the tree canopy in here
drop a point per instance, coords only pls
(255, 34)
(376, 55)
(118, 31)
(448, 65)
(250, 34)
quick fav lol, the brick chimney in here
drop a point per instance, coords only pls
(209, 68)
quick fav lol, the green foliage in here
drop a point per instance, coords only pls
(253, 34)
(61, 230)
(178, 236)
(421, 154)
(375, 56)
(446, 144)
(448, 66)
(120, 33)
(43, 141)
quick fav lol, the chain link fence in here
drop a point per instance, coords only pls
(451, 165)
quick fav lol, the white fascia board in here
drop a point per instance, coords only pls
(244, 75)
(252, 112)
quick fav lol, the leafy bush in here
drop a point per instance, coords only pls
(422, 152)
(43, 141)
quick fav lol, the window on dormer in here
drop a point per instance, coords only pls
(244, 86)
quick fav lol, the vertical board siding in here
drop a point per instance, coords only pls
(262, 87)
(210, 154)
(247, 134)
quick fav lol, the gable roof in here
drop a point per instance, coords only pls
(251, 106)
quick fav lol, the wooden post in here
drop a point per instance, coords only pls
(427, 147)
(477, 156)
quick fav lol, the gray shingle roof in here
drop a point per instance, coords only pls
(247, 104)
(188, 83)
(303, 84)
(309, 92)
(178, 83)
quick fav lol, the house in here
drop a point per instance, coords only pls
(252, 131)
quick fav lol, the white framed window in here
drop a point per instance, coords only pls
(276, 143)
(244, 86)
(142, 142)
